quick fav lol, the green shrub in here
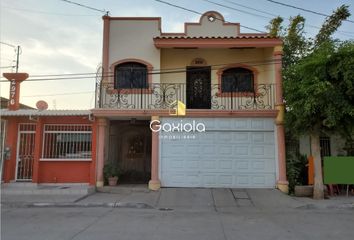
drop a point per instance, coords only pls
(111, 170)
(296, 170)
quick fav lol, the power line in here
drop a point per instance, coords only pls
(7, 67)
(201, 14)
(48, 13)
(8, 44)
(59, 94)
(173, 71)
(235, 9)
(304, 9)
(345, 33)
(85, 6)
(156, 71)
(62, 74)
(254, 9)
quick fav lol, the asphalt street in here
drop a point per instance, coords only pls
(182, 214)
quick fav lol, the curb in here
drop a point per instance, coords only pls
(82, 205)
(338, 206)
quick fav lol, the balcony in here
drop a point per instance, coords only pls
(159, 96)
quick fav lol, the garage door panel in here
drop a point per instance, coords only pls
(231, 153)
(209, 150)
(191, 150)
(226, 164)
(259, 151)
(224, 137)
(225, 150)
(172, 149)
(241, 137)
(241, 151)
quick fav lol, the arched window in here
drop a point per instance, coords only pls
(237, 80)
(130, 75)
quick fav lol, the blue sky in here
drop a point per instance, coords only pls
(60, 38)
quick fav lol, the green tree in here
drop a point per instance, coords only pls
(319, 97)
(318, 82)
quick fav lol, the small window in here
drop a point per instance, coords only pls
(237, 80)
(130, 75)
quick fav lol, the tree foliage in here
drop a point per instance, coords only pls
(317, 79)
(331, 25)
(319, 90)
(318, 83)
(275, 27)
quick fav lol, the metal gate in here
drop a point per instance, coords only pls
(25, 150)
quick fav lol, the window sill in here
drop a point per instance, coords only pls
(129, 91)
(236, 94)
(65, 159)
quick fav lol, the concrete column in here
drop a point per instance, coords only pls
(102, 125)
(154, 183)
(15, 81)
(37, 151)
(282, 182)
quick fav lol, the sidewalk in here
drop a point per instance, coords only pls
(193, 199)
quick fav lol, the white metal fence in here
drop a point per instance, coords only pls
(67, 141)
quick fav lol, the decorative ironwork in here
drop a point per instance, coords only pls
(259, 99)
(119, 99)
(216, 104)
(162, 95)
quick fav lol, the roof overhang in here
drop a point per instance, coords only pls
(161, 42)
(47, 113)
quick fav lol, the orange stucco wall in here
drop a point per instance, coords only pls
(64, 172)
(50, 171)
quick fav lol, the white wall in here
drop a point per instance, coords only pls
(134, 39)
(212, 29)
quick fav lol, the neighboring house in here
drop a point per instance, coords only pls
(332, 145)
(47, 146)
(4, 102)
(230, 83)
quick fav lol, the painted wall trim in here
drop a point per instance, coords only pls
(189, 113)
(215, 43)
(64, 160)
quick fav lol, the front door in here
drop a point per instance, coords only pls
(25, 152)
(130, 147)
(198, 87)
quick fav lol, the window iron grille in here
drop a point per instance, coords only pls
(67, 141)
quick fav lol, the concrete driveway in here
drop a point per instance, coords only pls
(195, 199)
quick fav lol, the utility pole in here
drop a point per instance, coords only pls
(17, 58)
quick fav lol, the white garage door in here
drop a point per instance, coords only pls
(231, 153)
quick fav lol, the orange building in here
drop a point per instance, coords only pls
(47, 146)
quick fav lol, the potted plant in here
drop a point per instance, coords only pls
(111, 173)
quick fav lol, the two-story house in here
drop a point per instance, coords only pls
(232, 133)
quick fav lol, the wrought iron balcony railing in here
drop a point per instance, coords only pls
(161, 95)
